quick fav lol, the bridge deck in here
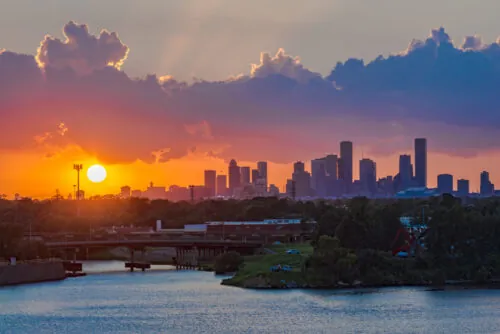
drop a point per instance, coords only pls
(153, 243)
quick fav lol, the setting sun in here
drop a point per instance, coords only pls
(96, 173)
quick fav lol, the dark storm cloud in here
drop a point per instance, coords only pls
(279, 111)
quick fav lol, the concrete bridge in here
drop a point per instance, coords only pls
(188, 252)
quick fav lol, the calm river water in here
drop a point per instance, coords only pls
(110, 300)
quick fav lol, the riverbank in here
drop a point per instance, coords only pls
(255, 273)
(365, 269)
(35, 272)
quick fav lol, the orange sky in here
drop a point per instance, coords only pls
(31, 174)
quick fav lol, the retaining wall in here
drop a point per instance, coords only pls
(23, 273)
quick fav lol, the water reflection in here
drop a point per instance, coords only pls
(110, 299)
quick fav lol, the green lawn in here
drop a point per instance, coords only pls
(304, 248)
(260, 265)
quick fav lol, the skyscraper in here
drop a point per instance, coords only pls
(487, 187)
(298, 167)
(221, 185)
(318, 176)
(234, 176)
(463, 187)
(445, 183)
(421, 162)
(210, 182)
(262, 167)
(255, 176)
(245, 175)
(301, 179)
(368, 175)
(405, 172)
(331, 162)
(345, 165)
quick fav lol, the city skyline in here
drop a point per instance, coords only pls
(283, 172)
(328, 177)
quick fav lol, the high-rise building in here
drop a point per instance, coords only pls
(221, 185)
(486, 187)
(274, 190)
(245, 175)
(262, 167)
(301, 180)
(445, 183)
(299, 167)
(345, 165)
(318, 177)
(368, 176)
(421, 162)
(331, 162)
(125, 192)
(405, 172)
(463, 187)
(255, 175)
(210, 182)
(234, 176)
(386, 185)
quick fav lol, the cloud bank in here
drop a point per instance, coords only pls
(73, 92)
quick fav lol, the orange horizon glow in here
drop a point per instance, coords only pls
(38, 177)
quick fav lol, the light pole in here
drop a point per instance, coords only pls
(74, 191)
(78, 168)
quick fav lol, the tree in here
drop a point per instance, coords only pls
(227, 262)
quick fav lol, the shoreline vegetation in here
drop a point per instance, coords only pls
(354, 245)
(255, 273)
(447, 240)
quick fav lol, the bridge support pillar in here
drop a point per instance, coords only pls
(132, 259)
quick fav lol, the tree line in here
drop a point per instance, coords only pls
(461, 241)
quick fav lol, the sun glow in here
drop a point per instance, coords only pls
(96, 173)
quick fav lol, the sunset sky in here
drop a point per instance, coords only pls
(161, 90)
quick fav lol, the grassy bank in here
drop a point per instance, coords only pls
(335, 270)
(256, 270)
